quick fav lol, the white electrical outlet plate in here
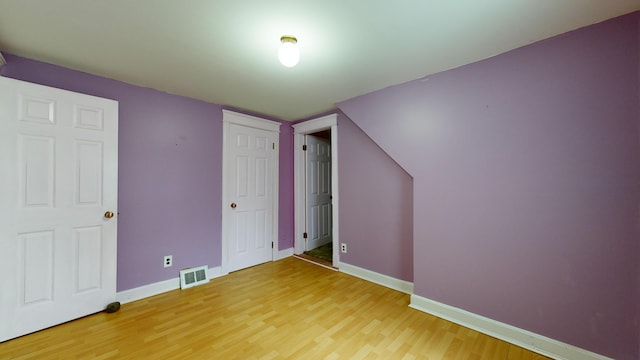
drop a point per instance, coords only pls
(343, 248)
(168, 261)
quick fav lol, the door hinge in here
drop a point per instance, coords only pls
(304, 147)
(273, 146)
(305, 235)
(272, 244)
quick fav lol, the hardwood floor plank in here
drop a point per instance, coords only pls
(289, 309)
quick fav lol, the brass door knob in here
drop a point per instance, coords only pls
(233, 205)
(108, 214)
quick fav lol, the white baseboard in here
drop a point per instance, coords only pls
(160, 287)
(216, 272)
(380, 279)
(523, 338)
(281, 254)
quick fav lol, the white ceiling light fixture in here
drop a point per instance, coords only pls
(289, 54)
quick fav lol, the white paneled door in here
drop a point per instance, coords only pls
(58, 200)
(250, 171)
(318, 184)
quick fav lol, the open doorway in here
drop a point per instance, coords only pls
(316, 191)
(318, 244)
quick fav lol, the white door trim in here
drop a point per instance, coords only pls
(299, 130)
(232, 117)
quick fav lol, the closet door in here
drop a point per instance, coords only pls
(58, 201)
(250, 179)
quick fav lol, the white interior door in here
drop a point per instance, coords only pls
(318, 169)
(58, 160)
(250, 170)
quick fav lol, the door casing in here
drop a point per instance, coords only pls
(300, 130)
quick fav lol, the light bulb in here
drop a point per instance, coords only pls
(289, 54)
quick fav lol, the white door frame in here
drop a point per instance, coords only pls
(232, 117)
(299, 131)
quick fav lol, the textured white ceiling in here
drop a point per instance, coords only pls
(225, 51)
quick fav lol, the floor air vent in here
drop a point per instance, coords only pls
(194, 276)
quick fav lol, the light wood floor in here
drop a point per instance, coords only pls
(289, 309)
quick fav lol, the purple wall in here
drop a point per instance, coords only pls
(170, 173)
(376, 212)
(527, 184)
